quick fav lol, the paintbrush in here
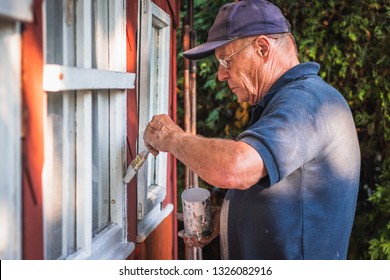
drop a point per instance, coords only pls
(135, 165)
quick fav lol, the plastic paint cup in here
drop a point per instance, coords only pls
(196, 211)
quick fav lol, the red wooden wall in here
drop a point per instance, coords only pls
(32, 146)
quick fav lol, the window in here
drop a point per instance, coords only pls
(85, 130)
(11, 12)
(153, 92)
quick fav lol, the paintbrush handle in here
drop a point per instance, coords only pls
(135, 165)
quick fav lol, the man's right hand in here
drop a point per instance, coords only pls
(160, 132)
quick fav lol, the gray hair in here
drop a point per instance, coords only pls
(285, 41)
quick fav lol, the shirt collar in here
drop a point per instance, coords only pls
(295, 73)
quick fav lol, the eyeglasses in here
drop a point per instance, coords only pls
(224, 61)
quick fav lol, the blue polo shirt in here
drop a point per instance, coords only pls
(304, 209)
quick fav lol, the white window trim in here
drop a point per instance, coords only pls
(112, 242)
(11, 12)
(18, 10)
(63, 78)
(10, 147)
(151, 15)
(152, 220)
(108, 245)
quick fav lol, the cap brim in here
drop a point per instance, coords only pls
(204, 50)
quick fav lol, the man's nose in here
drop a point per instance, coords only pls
(223, 73)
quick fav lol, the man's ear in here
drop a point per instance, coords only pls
(263, 47)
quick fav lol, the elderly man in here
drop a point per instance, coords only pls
(293, 175)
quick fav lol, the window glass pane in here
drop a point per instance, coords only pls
(60, 148)
(54, 42)
(59, 176)
(154, 101)
(100, 161)
(53, 193)
(100, 121)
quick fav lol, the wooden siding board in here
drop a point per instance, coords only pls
(157, 246)
(33, 104)
(132, 115)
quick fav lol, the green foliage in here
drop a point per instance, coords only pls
(350, 40)
(379, 245)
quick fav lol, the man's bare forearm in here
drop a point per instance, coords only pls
(222, 163)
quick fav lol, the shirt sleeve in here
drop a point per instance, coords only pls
(291, 132)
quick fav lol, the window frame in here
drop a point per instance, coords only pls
(11, 15)
(151, 213)
(76, 83)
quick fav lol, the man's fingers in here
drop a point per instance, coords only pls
(152, 150)
(189, 240)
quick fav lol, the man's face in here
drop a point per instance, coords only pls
(245, 72)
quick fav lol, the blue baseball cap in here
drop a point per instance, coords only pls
(240, 19)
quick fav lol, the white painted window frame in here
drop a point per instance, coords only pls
(16, 10)
(10, 127)
(152, 19)
(111, 243)
(64, 78)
